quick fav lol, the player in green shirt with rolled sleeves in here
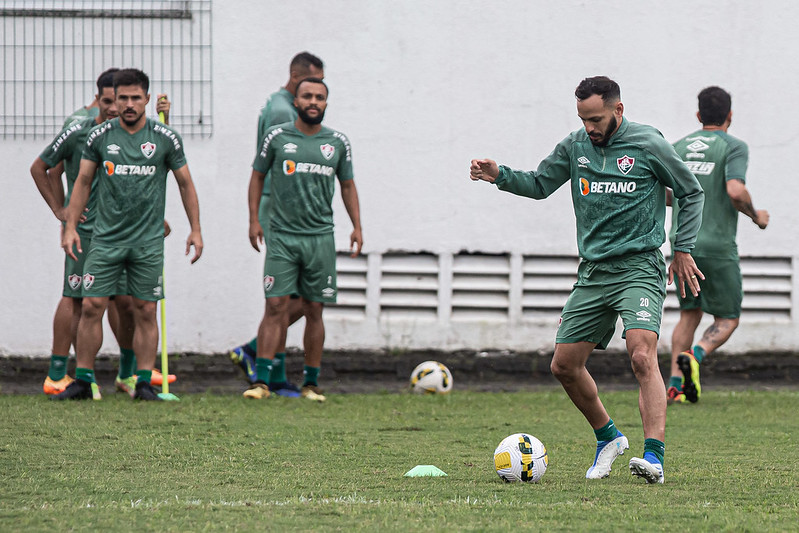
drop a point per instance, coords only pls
(304, 160)
(719, 161)
(279, 109)
(618, 172)
(134, 154)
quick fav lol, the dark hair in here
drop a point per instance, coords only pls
(304, 61)
(602, 85)
(714, 106)
(106, 79)
(311, 80)
(131, 76)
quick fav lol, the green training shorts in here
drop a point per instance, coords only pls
(106, 265)
(721, 290)
(633, 287)
(301, 264)
(73, 272)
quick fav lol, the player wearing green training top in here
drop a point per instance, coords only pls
(618, 172)
(719, 161)
(279, 109)
(304, 160)
(134, 155)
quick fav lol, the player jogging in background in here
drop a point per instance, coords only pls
(304, 158)
(135, 155)
(719, 161)
(279, 109)
(617, 172)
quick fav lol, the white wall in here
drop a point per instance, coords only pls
(421, 87)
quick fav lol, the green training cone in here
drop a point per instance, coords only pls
(425, 471)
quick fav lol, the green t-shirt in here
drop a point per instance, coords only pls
(279, 108)
(131, 188)
(618, 191)
(715, 158)
(68, 147)
(80, 114)
(303, 170)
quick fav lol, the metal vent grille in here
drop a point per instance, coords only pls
(480, 287)
(352, 285)
(409, 286)
(546, 283)
(53, 53)
(767, 284)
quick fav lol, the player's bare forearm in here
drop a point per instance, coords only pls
(742, 201)
(191, 204)
(80, 197)
(42, 180)
(349, 195)
(254, 193)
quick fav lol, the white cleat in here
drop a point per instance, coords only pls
(651, 472)
(605, 457)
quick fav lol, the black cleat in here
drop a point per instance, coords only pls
(145, 391)
(79, 390)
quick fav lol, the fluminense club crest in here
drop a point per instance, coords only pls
(269, 282)
(625, 163)
(148, 149)
(88, 281)
(74, 281)
(327, 151)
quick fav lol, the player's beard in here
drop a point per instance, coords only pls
(606, 135)
(129, 122)
(311, 121)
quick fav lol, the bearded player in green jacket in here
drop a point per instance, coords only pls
(719, 162)
(618, 172)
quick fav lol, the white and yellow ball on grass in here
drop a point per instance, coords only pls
(431, 377)
(521, 457)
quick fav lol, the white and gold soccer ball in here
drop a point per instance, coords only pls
(431, 377)
(521, 457)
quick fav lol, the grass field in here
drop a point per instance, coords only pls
(214, 463)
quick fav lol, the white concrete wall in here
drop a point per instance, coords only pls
(421, 87)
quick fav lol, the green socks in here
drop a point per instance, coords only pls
(86, 374)
(311, 374)
(278, 374)
(655, 447)
(127, 363)
(58, 367)
(606, 432)
(144, 375)
(699, 353)
(263, 369)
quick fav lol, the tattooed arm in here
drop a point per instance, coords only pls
(742, 201)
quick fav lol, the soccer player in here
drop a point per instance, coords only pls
(719, 161)
(279, 109)
(304, 159)
(618, 172)
(136, 154)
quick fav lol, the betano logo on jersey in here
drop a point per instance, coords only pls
(290, 167)
(605, 187)
(128, 170)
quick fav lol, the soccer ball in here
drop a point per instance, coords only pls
(521, 457)
(431, 377)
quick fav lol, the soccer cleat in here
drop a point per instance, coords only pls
(606, 452)
(674, 395)
(126, 385)
(245, 361)
(157, 378)
(79, 390)
(286, 389)
(651, 472)
(689, 367)
(146, 392)
(312, 392)
(52, 386)
(257, 391)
